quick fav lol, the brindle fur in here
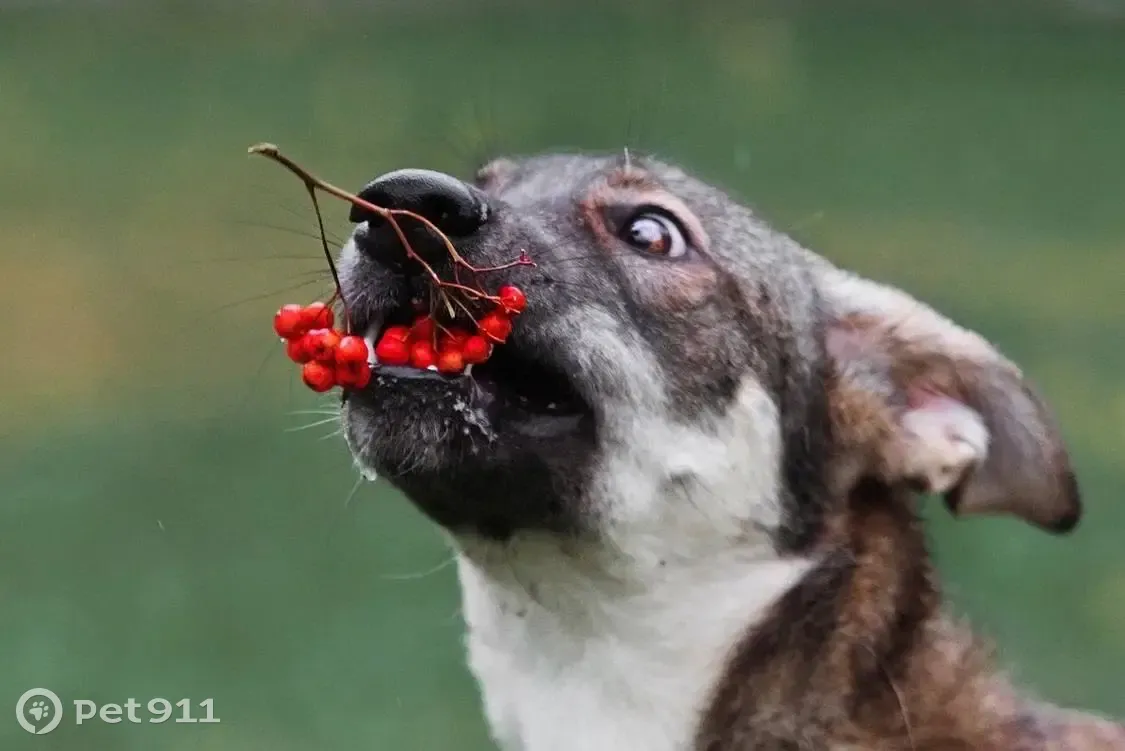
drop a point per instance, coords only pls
(860, 653)
(861, 656)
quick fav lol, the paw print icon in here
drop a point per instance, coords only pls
(39, 711)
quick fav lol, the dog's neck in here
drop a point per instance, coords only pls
(741, 649)
(572, 654)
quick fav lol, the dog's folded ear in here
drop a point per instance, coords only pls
(919, 400)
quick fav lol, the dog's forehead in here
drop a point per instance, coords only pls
(547, 179)
(551, 176)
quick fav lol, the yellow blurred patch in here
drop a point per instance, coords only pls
(63, 345)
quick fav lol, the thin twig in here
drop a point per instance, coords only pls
(331, 263)
(391, 216)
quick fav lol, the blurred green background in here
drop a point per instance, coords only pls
(165, 529)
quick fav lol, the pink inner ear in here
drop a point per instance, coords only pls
(924, 395)
(944, 440)
(878, 337)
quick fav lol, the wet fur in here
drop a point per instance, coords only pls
(726, 555)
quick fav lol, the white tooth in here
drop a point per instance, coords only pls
(369, 337)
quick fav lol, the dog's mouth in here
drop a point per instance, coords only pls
(482, 449)
(527, 384)
(517, 384)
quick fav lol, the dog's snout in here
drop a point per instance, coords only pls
(456, 208)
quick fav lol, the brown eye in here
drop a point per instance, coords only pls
(655, 234)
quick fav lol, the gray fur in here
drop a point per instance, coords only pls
(754, 422)
(591, 306)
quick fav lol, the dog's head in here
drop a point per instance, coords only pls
(682, 374)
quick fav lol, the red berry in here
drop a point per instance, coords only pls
(297, 350)
(476, 349)
(353, 375)
(452, 338)
(318, 376)
(422, 330)
(392, 351)
(422, 354)
(351, 349)
(496, 326)
(401, 333)
(317, 316)
(287, 322)
(513, 299)
(322, 343)
(450, 361)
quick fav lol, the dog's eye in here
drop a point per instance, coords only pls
(656, 234)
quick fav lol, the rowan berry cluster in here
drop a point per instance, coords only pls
(427, 345)
(327, 356)
(330, 357)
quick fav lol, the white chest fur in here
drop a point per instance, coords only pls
(568, 658)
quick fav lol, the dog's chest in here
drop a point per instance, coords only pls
(635, 672)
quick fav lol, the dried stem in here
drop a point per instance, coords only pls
(441, 287)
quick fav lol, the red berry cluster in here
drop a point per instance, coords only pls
(327, 356)
(428, 345)
(331, 358)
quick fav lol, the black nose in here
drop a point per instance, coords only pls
(456, 208)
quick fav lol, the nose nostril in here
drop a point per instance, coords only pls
(455, 207)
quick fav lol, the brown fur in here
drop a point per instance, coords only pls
(1027, 472)
(861, 655)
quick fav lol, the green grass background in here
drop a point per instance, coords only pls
(163, 529)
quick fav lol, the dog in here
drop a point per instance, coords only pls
(684, 495)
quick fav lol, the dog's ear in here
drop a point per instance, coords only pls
(917, 399)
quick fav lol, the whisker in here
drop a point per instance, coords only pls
(483, 129)
(264, 295)
(288, 230)
(355, 488)
(421, 574)
(256, 298)
(282, 204)
(245, 398)
(318, 423)
(343, 511)
(490, 146)
(460, 150)
(312, 272)
(244, 259)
